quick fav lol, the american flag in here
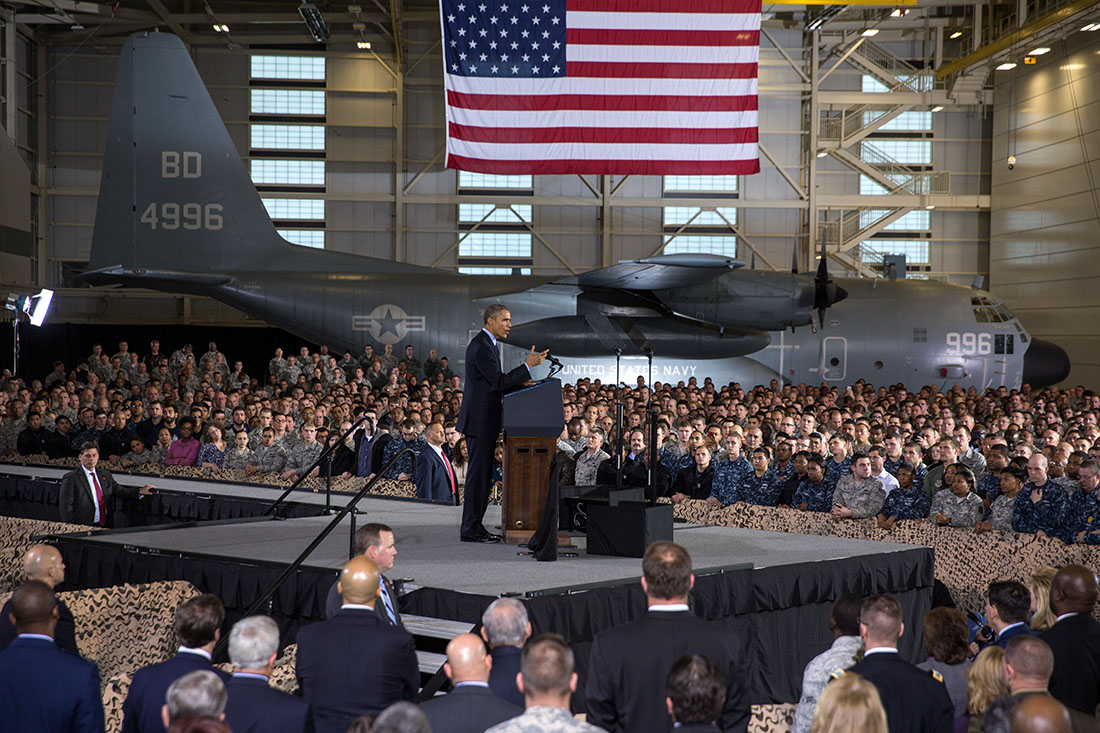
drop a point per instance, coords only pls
(602, 86)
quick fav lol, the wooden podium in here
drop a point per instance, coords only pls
(532, 421)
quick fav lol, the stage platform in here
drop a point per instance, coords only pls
(773, 589)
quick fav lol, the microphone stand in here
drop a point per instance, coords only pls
(619, 407)
(654, 452)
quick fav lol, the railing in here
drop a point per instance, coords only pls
(322, 456)
(265, 597)
(905, 180)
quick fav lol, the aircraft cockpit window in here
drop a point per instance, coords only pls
(989, 311)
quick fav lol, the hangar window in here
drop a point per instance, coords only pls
(314, 238)
(488, 182)
(693, 216)
(509, 245)
(306, 68)
(916, 251)
(707, 184)
(697, 244)
(295, 209)
(494, 214)
(288, 172)
(918, 220)
(287, 137)
(495, 270)
(906, 152)
(297, 102)
(493, 237)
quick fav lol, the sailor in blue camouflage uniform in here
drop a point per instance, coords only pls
(989, 483)
(680, 456)
(905, 502)
(1083, 512)
(403, 468)
(762, 486)
(839, 464)
(783, 465)
(1041, 504)
(913, 456)
(729, 474)
(815, 493)
(894, 458)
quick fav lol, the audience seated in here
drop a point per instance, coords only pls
(44, 564)
(471, 707)
(354, 663)
(253, 706)
(198, 626)
(43, 688)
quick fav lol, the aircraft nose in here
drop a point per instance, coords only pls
(1045, 363)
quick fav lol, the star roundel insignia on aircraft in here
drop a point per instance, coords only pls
(388, 323)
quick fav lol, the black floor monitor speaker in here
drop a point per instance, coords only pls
(628, 528)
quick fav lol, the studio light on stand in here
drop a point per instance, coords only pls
(31, 307)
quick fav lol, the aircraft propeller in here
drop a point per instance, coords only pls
(826, 292)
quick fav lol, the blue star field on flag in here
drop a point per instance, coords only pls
(505, 39)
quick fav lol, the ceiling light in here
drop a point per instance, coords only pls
(938, 108)
(1006, 66)
(930, 206)
(956, 34)
(822, 153)
(899, 12)
(869, 32)
(363, 45)
(314, 21)
(1038, 51)
(221, 28)
(1091, 27)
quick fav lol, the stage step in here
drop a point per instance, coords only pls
(433, 628)
(429, 662)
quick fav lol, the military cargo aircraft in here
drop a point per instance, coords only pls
(178, 212)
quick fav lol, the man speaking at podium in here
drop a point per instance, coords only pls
(479, 418)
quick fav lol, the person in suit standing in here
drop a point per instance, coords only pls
(435, 477)
(1075, 638)
(86, 492)
(696, 694)
(471, 707)
(43, 563)
(628, 666)
(505, 628)
(253, 706)
(479, 417)
(198, 625)
(353, 663)
(915, 701)
(41, 687)
(375, 541)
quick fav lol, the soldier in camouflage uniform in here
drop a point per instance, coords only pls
(905, 502)
(844, 623)
(1000, 511)
(958, 505)
(138, 455)
(239, 456)
(301, 456)
(268, 457)
(402, 470)
(858, 494)
(12, 426)
(276, 365)
(412, 364)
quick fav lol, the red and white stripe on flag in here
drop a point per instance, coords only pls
(647, 87)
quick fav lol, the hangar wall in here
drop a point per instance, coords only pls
(407, 210)
(1045, 213)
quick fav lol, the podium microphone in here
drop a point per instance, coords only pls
(554, 361)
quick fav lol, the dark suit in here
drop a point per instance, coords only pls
(629, 664)
(76, 501)
(333, 602)
(64, 635)
(479, 420)
(502, 677)
(1016, 630)
(433, 481)
(254, 707)
(45, 689)
(635, 474)
(1075, 642)
(467, 709)
(141, 710)
(352, 665)
(914, 700)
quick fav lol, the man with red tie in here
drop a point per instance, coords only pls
(435, 477)
(86, 492)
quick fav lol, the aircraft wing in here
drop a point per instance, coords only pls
(656, 273)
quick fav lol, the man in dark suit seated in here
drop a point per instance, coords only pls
(354, 663)
(471, 707)
(86, 492)
(41, 687)
(1075, 638)
(635, 469)
(198, 694)
(505, 628)
(479, 417)
(916, 701)
(435, 477)
(43, 563)
(628, 667)
(375, 541)
(696, 694)
(254, 706)
(198, 625)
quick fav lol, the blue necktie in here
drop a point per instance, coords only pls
(386, 601)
